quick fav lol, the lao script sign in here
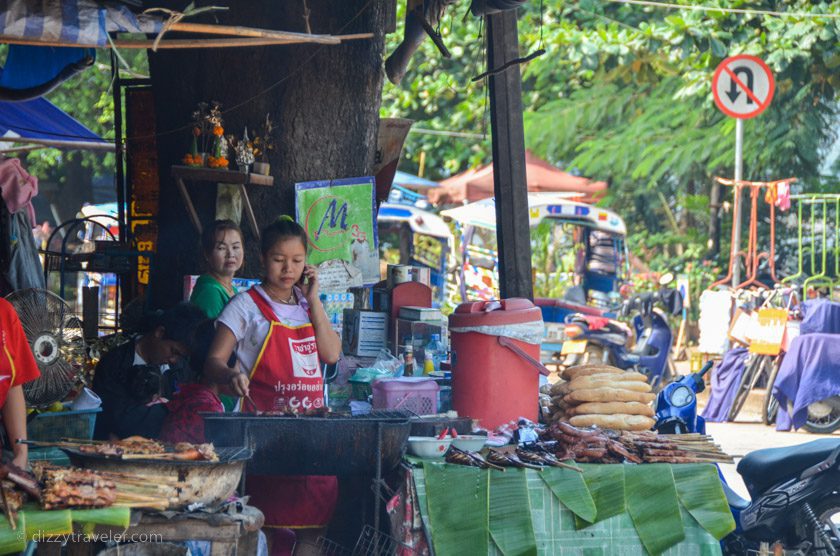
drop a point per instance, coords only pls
(339, 217)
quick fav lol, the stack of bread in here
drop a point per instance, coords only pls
(603, 396)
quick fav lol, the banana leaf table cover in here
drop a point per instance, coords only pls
(642, 509)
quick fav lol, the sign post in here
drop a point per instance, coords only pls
(743, 88)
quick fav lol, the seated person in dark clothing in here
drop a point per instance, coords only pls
(184, 422)
(135, 378)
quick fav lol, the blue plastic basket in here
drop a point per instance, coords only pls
(49, 427)
(55, 456)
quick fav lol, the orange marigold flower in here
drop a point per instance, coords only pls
(218, 130)
(196, 131)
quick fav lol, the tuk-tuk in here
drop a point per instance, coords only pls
(579, 256)
(408, 235)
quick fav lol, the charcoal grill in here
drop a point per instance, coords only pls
(339, 444)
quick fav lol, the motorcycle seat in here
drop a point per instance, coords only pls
(764, 468)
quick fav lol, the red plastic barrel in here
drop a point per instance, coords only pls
(490, 380)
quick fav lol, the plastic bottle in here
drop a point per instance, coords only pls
(428, 362)
(408, 355)
(434, 352)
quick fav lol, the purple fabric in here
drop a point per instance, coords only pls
(810, 372)
(725, 380)
(820, 316)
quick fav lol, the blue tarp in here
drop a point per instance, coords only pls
(84, 22)
(39, 121)
(412, 182)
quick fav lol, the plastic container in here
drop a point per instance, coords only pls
(434, 350)
(428, 446)
(418, 395)
(495, 378)
(469, 442)
(56, 456)
(49, 427)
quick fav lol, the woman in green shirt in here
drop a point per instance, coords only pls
(221, 244)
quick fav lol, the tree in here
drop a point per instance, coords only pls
(324, 100)
(623, 94)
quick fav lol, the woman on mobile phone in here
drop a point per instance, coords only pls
(281, 334)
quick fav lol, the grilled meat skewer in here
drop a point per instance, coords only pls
(509, 460)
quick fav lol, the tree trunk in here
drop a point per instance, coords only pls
(324, 101)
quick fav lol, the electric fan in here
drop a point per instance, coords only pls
(57, 341)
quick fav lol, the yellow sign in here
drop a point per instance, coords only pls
(768, 331)
(573, 347)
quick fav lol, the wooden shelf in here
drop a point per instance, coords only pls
(184, 174)
(220, 175)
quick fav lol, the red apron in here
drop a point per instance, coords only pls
(287, 373)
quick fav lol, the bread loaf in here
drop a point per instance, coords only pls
(611, 408)
(590, 382)
(608, 395)
(626, 376)
(572, 373)
(616, 422)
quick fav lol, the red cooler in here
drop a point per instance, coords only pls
(495, 376)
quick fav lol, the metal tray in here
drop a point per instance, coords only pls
(199, 482)
(226, 455)
(334, 445)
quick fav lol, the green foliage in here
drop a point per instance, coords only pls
(88, 97)
(623, 94)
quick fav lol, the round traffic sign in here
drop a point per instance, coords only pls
(743, 86)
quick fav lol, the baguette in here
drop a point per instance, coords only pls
(612, 408)
(572, 373)
(608, 395)
(626, 376)
(615, 422)
(588, 383)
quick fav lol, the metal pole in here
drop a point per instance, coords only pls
(739, 173)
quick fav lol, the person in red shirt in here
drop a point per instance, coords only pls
(183, 422)
(17, 367)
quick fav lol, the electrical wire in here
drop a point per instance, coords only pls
(747, 11)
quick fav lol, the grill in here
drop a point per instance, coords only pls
(334, 445)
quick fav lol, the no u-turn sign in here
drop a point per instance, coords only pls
(743, 86)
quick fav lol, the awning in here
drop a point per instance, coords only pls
(411, 181)
(84, 22)
(40, 122)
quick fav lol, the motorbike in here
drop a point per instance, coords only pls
(794, 491)
(592, 339)
(676, 404)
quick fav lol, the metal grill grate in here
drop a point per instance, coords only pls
(373, 543)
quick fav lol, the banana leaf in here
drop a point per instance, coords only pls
(13, 542)
(653, 507)
(459, 508)
(511, 528)
(606, 486)
(113, 516)
(570, 488)
(45, 523)
(701, 494)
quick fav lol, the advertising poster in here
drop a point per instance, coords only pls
(339, 217)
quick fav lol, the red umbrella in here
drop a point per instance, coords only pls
(477, 183)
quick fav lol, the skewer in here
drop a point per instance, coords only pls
(8, 509)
